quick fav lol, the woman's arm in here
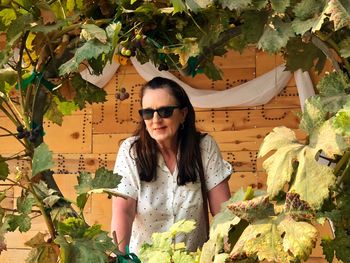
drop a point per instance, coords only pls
(123, 214)
(218, 195)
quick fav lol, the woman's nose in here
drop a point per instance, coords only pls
(156, 116)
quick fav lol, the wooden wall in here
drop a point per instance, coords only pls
(89, 138)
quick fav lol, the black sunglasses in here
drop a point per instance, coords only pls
(163, 112)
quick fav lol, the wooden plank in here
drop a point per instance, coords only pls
(14, 255)
(67, 164)
(240, 180)
(246, 140)
(119, 112)
(108, 143)
(8, 202)
(123, 119)
(74, 136)
(231, 77)
(234, 59)
(101, 211)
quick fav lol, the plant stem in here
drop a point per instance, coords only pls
(324, 48)
(17, 184)
(4, 110)
(11, 133)
(14, 110)
(345, 158)
(19, 73)
(345, 173)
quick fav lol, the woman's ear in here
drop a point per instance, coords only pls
(184, 112)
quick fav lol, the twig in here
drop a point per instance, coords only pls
(324, 48)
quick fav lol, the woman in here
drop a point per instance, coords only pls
(162, 166)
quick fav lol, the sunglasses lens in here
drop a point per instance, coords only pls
(146, 114)
(165, 112)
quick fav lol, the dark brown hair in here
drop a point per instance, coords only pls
(190, 162)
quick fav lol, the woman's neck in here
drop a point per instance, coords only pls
(169, 153)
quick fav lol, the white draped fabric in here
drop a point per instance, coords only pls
(252, 93)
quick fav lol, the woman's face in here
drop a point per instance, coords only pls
(163, 130)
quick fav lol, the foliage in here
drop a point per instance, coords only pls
(49, 42)
(164, 248)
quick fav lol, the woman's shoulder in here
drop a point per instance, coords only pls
(207, 142)
(126, 143)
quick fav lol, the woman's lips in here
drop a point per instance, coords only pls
(159, 128)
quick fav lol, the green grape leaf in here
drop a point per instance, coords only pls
(45, 253)
(189, 48)
(341, 243)
(338, 13)
(42, 190)
(4, 170)
(327, 245)
(197, 5)
(301, 55)
(91, 31)
(179, 6)
(79, 4)
(308, 8)
(279, 166)
(278, 138)
(81, 200)
(103, 179)
(182, 226)
(254, 209)
(300, 238)
(280, 6)
(334, 83)
(113, 31)
(298, 209)
(314, 114)
(254, 23)
(24, 204)
(344, 46)
(209, 251)
(66, 107)
(262, 238)
(41, 250)
(74, 227)
(53, 113)
(341, 120)
(235, 5)
(154, 256)
(70, 5)
(9, 76)
(88, 249)
(301, 26)
(329, 140)
(42, 159)
(222, 257)
(90, 49)
(7, 15)
(17, 28)
(3, 230)
(212, 71)
(225, 214)
(276, 35)
(182, 257)
(312, 180)
(59, 214)
(36, 241)
(86, 92)
(277, 239)
(22, 222)
(51, 200)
